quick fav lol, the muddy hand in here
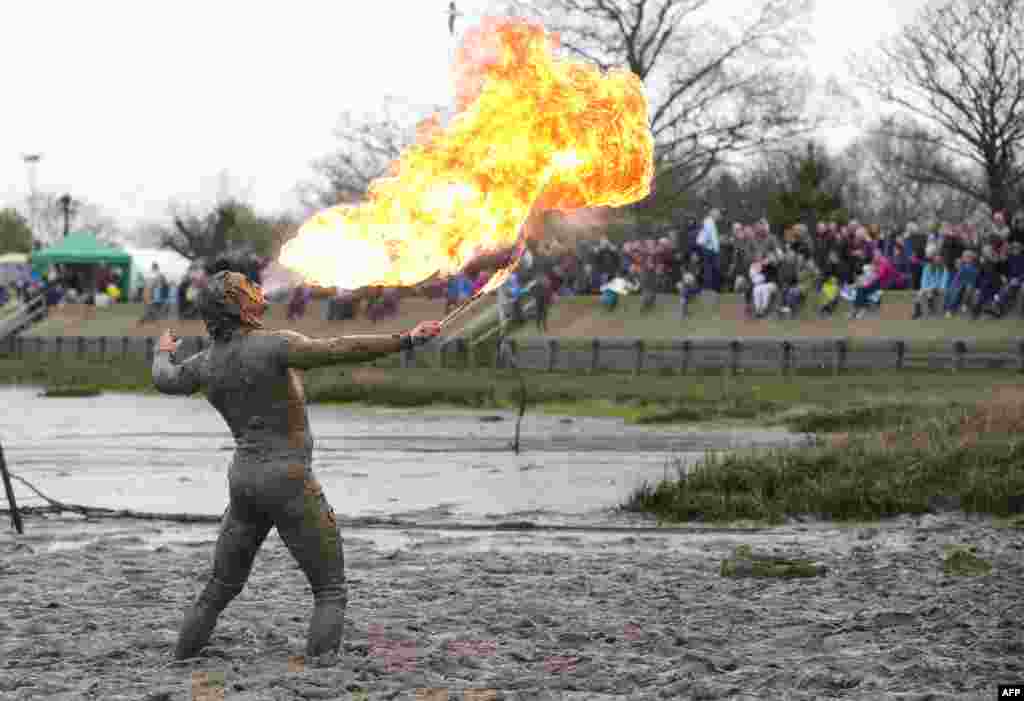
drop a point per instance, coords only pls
(423, 332)
(168, 342)
(426, 330)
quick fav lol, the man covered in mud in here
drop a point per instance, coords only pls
(253, 377)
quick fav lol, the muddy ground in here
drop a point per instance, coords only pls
(560, 615)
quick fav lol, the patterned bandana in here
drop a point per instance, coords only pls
(245, 296)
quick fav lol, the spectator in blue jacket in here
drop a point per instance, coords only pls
(710, 247)
(961, 286)
(934, 281)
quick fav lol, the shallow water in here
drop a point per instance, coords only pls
(170, 454)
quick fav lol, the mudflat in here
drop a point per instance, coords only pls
(529, 615)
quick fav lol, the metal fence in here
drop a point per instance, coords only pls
(631, 355)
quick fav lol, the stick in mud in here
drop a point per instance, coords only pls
(15, 514)
(522, 408)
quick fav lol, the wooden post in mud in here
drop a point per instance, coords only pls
(15, 514)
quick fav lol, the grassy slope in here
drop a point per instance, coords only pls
(583, 317)
(121, 320)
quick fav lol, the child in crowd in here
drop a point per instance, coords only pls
(961, 286)
(934, 281)
(1013, 271)
(988, 283)
(866, 291)
(834, 274)
(763, 277)
(690, 284)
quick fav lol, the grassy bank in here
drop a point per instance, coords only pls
(806, 403)
(903, 459)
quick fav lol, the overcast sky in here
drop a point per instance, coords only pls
(133, 104)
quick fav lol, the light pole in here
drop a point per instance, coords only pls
(31, 164)
(68, 206)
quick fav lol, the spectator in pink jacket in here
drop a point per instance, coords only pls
(888, 277)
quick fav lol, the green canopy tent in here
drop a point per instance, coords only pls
(82, 249)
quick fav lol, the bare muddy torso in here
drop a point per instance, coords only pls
(264, 404)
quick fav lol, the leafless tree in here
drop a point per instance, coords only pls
(878, 171)
(367, 146)
(958, 71)
(85, 216)
(715, 88)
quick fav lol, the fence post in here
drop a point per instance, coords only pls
(552, 353)
(787, 358)
(735, 347)
(595, 354)
(638, 360)
(685, 348)
(959, 350)
(442, 354)
(901, 353)
(839, 350)
(512, 353)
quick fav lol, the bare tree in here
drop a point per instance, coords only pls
(85, 216)
(958, 71)
(880, 166)
(367, 146)
(715, 89)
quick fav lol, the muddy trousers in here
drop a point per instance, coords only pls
(311, 536)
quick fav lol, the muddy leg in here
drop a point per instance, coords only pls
(315, 542)
(233, 557)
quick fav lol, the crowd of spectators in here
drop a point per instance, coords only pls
(974, 269)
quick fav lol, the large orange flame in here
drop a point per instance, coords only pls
(533, 132)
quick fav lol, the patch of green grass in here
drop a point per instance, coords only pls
(72, 391)
(746, 563)
(860, 479)
(961, 561)
(876, 417)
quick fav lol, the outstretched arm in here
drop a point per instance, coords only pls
(176, 378)
(306, 353)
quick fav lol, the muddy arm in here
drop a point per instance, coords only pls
(306, 353)
(178, 378)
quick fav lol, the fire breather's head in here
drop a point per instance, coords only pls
(230, 302)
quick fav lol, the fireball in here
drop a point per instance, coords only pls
(533, 132)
